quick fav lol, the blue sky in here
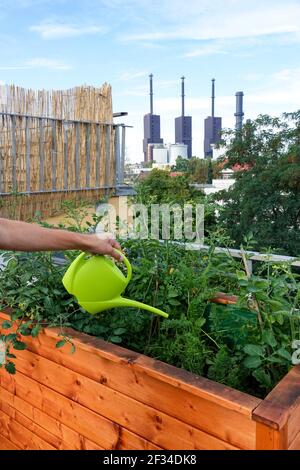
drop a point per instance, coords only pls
(252, 46)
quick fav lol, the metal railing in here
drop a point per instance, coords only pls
(251, 256)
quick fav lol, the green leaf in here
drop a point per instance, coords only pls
(119, 331)
(172, 293)
(285, 354)
(35, 330)
(254, 350)
(262, 377)
(252, 362)
(60, 343)
(241, 275)
(6, 325)
(10, 338)
(115, 339)
(10, 368)
(280, 319)
(269, 338)
(16, 315)
(25, 331)
(11, 356)
(173, 302)
(275, 360)
(19, 345)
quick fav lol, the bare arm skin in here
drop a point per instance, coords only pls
(22, 236)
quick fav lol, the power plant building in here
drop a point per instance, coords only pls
(151, 127)
(183, 125)
(159, 153)
(212, 128)
(177, 150)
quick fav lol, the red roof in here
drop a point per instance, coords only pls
(236, 166)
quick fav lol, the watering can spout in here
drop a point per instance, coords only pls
(136, 304)
(96, 307)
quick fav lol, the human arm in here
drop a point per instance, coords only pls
(22, 236)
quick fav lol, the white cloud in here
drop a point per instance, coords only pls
(128, 76)
(61, 30)
(236, 20)
(37, 63)
(207, 49)
(288, 75)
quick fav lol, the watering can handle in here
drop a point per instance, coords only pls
(127, 264)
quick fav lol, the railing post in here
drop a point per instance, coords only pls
(27, 151)
(77, 160)
(117, 156)
(54, 154)
(98, 154)
(107, 158)
(42, 154)
(14, 153)
(88, 155)
(66, 156)
(122, 166)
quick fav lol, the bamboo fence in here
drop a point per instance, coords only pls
(53, 143)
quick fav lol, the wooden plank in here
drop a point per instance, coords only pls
(295, 444)
(60, 436)
(277, 408)
(225, 299)
(229, 425)
(294, 424)
(5, 444)
(86, 422)
(153, 425)
(20, 435)
(200, 386)
(18, 417)
(214, 408)
(268, 438)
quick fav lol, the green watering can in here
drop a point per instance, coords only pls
(98, 283)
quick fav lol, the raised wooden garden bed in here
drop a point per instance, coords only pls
(107, 397)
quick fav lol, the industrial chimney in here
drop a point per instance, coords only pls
(239, 115)
(151, 93)
(182, 96)
(213, 98)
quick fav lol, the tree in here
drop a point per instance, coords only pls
(198, 169)
(209, 172)
(265, 198)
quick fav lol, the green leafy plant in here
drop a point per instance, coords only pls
(247, 346)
